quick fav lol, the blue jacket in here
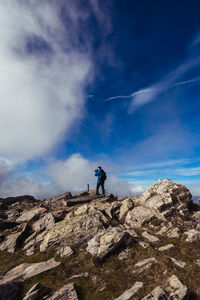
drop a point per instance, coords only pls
(98, 174)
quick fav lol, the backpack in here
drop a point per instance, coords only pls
(103, 175)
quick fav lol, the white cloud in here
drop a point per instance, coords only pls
(188, 171)
(41, 95)
(76, 172)
(119, 187)
(23, 186)
(72, 174)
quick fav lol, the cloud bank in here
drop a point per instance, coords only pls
(42, 79)
(72, 174)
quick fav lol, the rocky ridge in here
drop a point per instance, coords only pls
(92, 247)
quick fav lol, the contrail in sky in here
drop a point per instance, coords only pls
(143, 91)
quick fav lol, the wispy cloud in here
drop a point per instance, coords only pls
(151, 90)
(169, 81)
(188, 171)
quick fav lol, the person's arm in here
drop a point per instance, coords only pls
(98, 172)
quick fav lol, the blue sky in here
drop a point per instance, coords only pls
(98, 82)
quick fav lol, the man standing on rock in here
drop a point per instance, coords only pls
(101, 177)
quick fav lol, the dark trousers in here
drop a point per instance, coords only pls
(102, 186)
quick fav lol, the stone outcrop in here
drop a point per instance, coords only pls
(77, 227)
(164, 195)
(145, 235)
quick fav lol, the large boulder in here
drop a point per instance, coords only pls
(25, 271)
(13, 241)
(139, 216)
(107, 241)
(31, 214)
(163, 195)
(176, 289)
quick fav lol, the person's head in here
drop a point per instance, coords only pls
(99, 167)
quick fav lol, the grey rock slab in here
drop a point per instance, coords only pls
(192, 235)
(151, 238)
(157, 294)
(25, 271)
(13, 241)
(29, 215)
(176, 289)
(146, 261)
(8, 291)
(67, 292)
(132, 291)
(167, 247)
(127, 205)
(178, 263)
(107, 241)
(45, 222)
(65, 251)
(143, 244)
(85, 274)
(143, 268)
(113, 209)
(173, 233)
(138, 216)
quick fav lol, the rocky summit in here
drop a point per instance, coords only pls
(91, 247)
